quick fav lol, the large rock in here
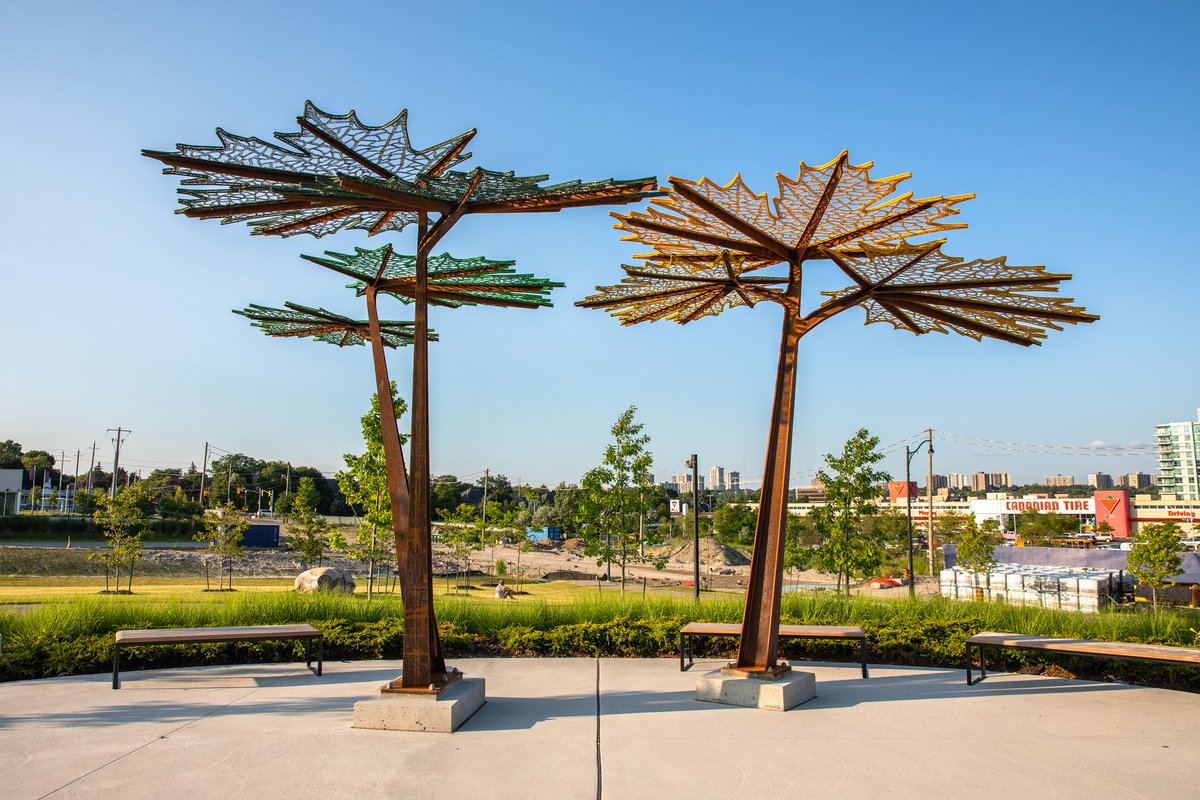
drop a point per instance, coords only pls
(325, 579)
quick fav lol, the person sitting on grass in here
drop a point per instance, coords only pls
(502, 591)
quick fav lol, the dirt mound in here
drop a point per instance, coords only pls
(573, 545)
(712, 554)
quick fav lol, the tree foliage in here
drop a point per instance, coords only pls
(10, 455)
(123, 522)
(1154, 556)
(308, 530)
(616, 494)
(364, 484)
(221, 530)
(848, 548)
(976, 548)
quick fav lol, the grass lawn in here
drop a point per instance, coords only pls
(26, 590)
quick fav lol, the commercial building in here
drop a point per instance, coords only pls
(1179, 458)
(10, 491)
(1124, 513)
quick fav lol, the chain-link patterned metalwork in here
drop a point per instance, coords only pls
(705, 238)
(683, 293)
(337, 173)
(295, 320)
(921, 289)
(453, 282)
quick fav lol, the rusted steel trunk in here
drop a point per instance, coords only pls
(758, 648)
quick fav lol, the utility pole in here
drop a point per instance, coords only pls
(929, 520)
(62, 460)
(485, 491)
(229, 480)
(91, 466)
(287, 489)
(203, 472)
(76, 480)
(116, 460)
(691, 462)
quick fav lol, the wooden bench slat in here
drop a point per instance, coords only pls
(814, 631)
(200, 635)
(242, 633)
(1089, 647)
(845, 632)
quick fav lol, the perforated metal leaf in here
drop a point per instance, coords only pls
(453, 282)
(295, 320)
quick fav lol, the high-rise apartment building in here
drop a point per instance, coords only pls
(716, 478)
(684, 483)
(940, 482)
(735, 481)
(1136, 480)
(1060, 480)
(987, 481)
(956, 480)
(1179, 458)
(1100, 480)
(1000, 480)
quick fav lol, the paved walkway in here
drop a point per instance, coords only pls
(582, 728)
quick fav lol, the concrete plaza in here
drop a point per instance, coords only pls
(585, 728)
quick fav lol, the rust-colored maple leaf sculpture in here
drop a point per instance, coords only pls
(708, 241)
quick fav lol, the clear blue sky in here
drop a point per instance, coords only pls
(1074, 123)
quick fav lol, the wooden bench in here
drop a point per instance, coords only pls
(249, 633)
(1163, 654)
(709, 629)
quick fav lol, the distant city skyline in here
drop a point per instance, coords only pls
(117, 310)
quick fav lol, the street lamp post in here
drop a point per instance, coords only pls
(691, 462)
(908, 455)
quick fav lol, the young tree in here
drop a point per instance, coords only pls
(799, 548)
(122, 520)
(221, 529)
(460, 534)
(308, 531)
(976, 550)
(846, 548)
(1154, 557)
(364, 484)
(616, 493)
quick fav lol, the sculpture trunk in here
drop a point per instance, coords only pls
(760, 620)
(393, 454)
(424, 666)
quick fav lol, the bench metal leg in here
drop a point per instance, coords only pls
(116, 666)
(982, 665)
(320, 655)
(863, 655)
(682, 668)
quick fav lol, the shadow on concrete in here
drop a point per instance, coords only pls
(503, 712)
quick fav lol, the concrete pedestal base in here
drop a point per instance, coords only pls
(436, 713)
(780, 694)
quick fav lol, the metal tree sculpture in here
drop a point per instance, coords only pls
(336, 174)
(707, 238)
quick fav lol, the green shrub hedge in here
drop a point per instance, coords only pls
(76, 636)
(41, 526)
